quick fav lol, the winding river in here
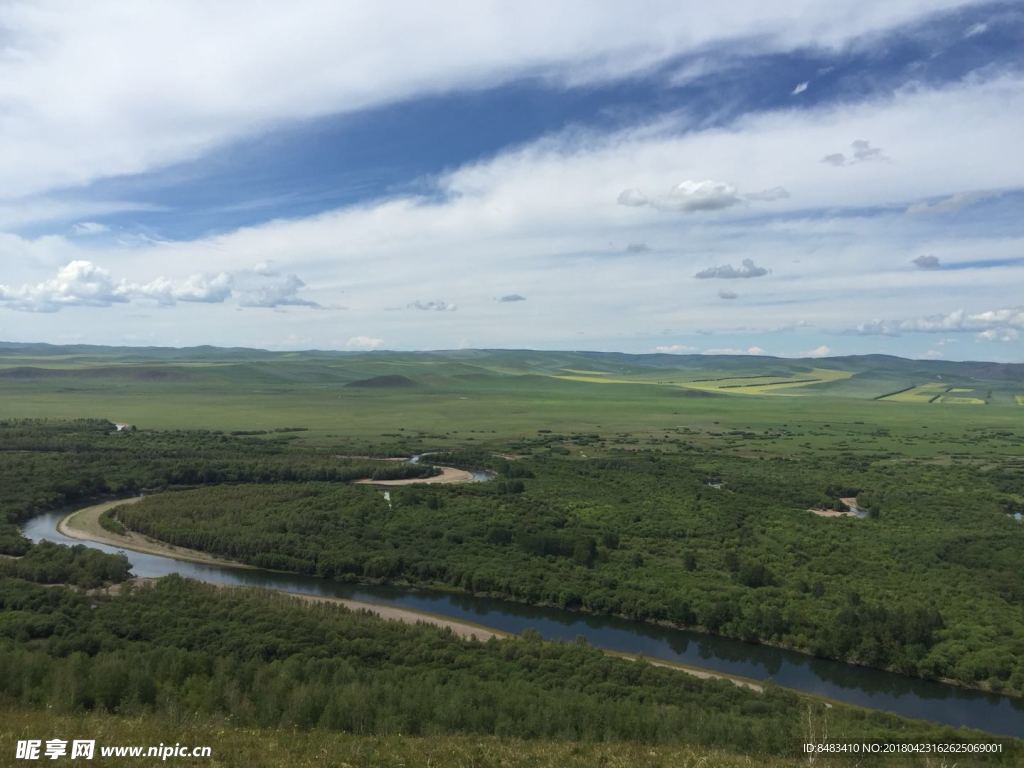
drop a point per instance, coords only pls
(832, 679)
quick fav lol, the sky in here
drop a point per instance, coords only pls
(794, 178)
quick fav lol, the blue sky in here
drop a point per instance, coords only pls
(799, 180)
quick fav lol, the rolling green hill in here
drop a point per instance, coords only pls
(513, 392)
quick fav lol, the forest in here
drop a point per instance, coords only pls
(80, 566)
(644, 535)
(705, 531)
(53, 464)
(269, 661)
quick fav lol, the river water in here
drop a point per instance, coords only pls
(836, 680)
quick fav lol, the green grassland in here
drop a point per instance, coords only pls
(476, 396)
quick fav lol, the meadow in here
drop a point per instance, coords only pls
(663, 488)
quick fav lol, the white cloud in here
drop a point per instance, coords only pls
(976, 29)
(822, 351)
(746, 269)
(690, 196)
(364, 342)
(800, 88)
(674, 349)
(999, 334)
(81, 283)
(73, 111)
(543, 219)
(269, 289)
(993, 322)
(734, 351)
(724, 294)
(435, 305)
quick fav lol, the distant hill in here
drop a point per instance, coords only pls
(866, 377)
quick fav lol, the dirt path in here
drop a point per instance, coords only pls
(85, 526)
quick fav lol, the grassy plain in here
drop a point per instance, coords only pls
(488, 397)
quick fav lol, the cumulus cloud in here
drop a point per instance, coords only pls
(686, 196)
(86, 228)
(200, 288)
(927, 261)
(510, 297)
(690, 196)
(996, 321)
(800, 88)
(364, 342)
(822, 351)
(724, 294)
(734, 351)
(999, 334)
(674, 349)
(746, 269)
(269, 289)
(80, 283)
(861, 151)
(433, 306)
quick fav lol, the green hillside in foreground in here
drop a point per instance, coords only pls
(266, 748)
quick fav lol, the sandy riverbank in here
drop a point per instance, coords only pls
(461, 628)
(85, 526)
(448, 475)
